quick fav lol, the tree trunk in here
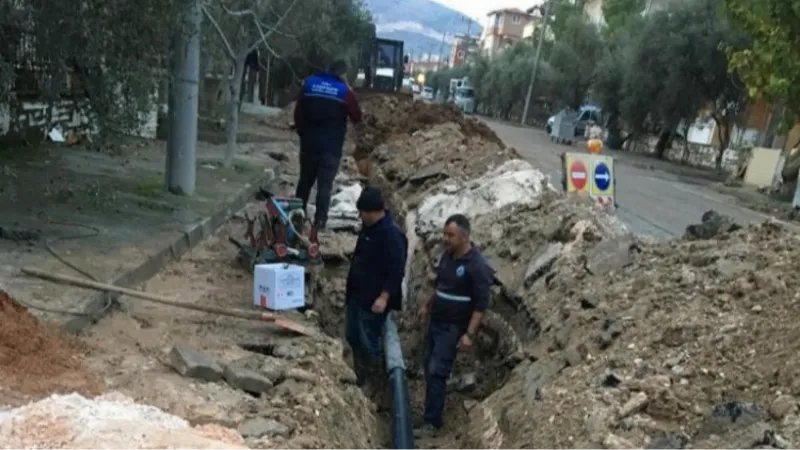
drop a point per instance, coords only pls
(662, 145)
(724, 126)
(232, 127)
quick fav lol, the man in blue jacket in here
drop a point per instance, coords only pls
(320, 119)
(374, 285)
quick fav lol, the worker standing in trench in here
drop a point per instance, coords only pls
(374, 286)
(320, 119)
(463, 283)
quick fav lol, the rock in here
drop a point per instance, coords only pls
(246, 379)
(274, 368)
(737, 412)
(195, 364)
(289, 350)
(573, 357)
(301, 375)
(609, 255)
(669, 441)
(259, 427)
(731, 269)
(782, 406)
(541, 262)
(713, 224)
(435, 170)
(636, 403)
(614, 441)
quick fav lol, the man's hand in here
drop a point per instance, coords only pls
(380, 304)
(465, 343)
(422, 314)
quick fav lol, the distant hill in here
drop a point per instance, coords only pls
(420, 24)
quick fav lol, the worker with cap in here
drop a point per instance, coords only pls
(320, 119)
(454, 311)
(374, 285)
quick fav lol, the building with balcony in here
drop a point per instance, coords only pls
(503, 27)
(462, 49)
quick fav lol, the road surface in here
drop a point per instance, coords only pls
(651, 202)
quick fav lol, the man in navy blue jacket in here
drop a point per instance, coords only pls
(374, 284)
(463, 288)
(320, 118)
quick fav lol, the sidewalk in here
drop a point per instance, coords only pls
(62, 193)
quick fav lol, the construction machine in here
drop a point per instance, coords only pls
(382, 67)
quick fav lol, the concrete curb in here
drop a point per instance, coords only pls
(95, 308)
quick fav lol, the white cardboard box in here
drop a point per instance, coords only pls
(279, 286)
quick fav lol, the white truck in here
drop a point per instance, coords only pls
(462, 94)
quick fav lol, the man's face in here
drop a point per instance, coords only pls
(369, 217)
(454, 238)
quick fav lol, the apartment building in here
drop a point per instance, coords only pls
(463, 46)
(503, 27)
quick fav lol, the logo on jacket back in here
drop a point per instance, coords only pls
(460, 271)
(325, 88)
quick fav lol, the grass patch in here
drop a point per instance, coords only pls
(150, 187)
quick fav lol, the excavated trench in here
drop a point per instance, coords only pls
(477, 373)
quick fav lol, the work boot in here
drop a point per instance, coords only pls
(426, 431)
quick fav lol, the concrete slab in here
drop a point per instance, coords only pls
(108, 215)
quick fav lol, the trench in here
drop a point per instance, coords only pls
(477, 373)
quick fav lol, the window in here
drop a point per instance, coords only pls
(516, 19)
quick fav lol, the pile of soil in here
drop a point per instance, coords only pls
(38, 358)
(386, 116)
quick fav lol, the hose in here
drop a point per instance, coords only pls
(402, 428)
(48, 246)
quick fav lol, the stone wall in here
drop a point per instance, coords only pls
(29, 118)
(696, 155)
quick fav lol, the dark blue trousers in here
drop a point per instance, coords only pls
(319, 164)
(442, 348)
(364, 332)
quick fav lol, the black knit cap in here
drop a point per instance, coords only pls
(370, 200)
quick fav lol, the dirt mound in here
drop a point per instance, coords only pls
(110, 421)
(38, 358)
(661, 344)
(387, 117)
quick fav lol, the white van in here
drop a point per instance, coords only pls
(464, 98)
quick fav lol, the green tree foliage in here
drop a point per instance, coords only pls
(617, 13)
(573, 59)
(664, 68)
(118, 47)
(771, 67)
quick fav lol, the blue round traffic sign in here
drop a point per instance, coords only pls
(602, 176)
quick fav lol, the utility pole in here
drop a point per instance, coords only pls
(542, 37)
(180, 175)
(441, 52)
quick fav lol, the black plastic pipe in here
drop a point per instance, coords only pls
(402, 428)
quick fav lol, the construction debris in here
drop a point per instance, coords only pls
(109, 421)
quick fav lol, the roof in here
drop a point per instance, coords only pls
(507, 11)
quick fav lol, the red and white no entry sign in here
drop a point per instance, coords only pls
(578, 175)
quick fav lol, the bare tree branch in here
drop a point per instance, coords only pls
(265, 36)
(250, 12)
(231, 53)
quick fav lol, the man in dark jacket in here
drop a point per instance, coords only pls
(320, 118)
(374, 284)
(463, 287)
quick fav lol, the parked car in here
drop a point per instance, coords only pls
(586, 114)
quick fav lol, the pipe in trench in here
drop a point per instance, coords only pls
(402, 429)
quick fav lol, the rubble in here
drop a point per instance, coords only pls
(109, 421)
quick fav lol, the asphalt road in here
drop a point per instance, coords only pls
(650, 201)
